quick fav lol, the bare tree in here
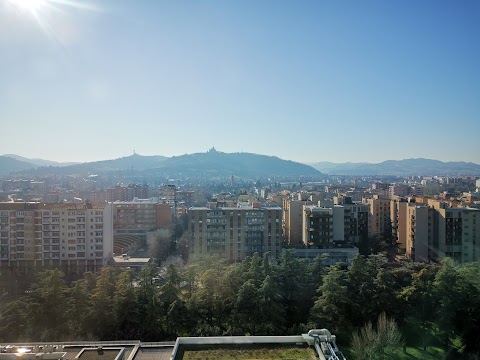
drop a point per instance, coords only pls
(160, 244)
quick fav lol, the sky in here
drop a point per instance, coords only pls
(321, 80)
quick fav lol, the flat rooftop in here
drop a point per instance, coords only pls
(247, 351)
(94, 354)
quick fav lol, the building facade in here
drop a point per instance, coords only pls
(380, 221)
(74, 237)
(338, 225)
(433, 231)
(133, 220)
(292, 220)
(233, 233)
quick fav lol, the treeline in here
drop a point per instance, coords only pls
(431, 304)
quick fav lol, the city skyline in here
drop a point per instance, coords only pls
(355, 82)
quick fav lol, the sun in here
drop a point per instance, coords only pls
(29, 5)
(43, 12)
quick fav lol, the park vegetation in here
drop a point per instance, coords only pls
(376, 308)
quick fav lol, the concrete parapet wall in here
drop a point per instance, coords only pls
(230, 340)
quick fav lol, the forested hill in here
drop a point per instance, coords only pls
(210, 164)
(245, 165)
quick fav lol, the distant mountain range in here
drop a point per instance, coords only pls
(426, 167)
(210, 164)
(39, 162)
(245, 165)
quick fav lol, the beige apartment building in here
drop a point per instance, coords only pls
(293, 216)
(74, 237)
(419, 233)
(233, 233)
(380, 220)
(398, 216)
(434, 230)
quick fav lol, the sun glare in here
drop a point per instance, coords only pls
(43, 12)
(29, 5)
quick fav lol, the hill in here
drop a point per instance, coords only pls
(8, 165)
(210, 164)
(420, 166)
(39, 162)
(245, 165)
(136, 162)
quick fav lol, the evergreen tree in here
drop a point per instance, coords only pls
(125, 307)
(330, 309)
(80, 303)
(47, 307)
(103, 320)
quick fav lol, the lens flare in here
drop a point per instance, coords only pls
(29, 5)
(45, 12)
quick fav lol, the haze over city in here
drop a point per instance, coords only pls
(355, 81)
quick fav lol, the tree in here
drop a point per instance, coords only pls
(125, 307)
(148, 305)
(447, 289)
(205, 303)
(102, 305)
(247, 307)
(80, 303)
(47, 307)
(292, 278)
(360, 288)
(330, 309)
(160, 244)
(371, 343)
(13, 321)
(271, 311)
(420, 301)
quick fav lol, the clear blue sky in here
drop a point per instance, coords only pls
(310, 81)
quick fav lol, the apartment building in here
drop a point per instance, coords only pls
(419, 232)
(398, 190)
(234, 232)
(293, 217)
(458, 233)
(338, 225)
(398, 216)
(74, 237)
(434, 230)
(119, 193)
(380, 221)
(133, 220)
